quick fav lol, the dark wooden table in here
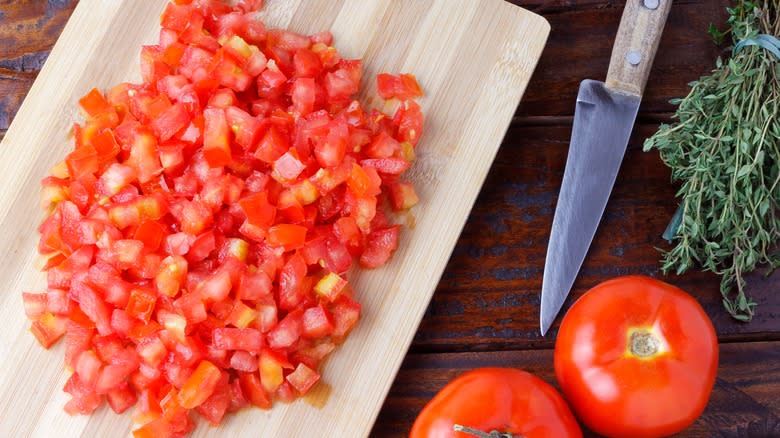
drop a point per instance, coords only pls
(485, 310)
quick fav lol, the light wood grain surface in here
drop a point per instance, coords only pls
(474, 60)
(637, 38)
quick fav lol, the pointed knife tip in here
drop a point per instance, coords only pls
(544, 326)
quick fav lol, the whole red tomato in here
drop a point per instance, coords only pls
(504, 400)
(636, 357)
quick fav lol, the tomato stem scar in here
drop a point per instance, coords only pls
(481, 434)
(644, 344)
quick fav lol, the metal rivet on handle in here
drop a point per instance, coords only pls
(650, 4)
(633, 57)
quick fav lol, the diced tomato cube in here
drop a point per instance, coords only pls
(215, 407)
(93, 103)
(115, 178)
(287, 332)
(35, 305)
(229, 338)
(289, 236)
(48, 329)
(317, 322)
(152, 351)
(254, 391)
(402, 87)
(216, 140)
(242, 315)
(272, 146)
(403, 196)
(173, 271)
(84, 400)
(243, 361)
(346, 313)
(144, 157)
(291, 291)
(303, 378)
(170, 121)
(88, 367)
(287, 167)
(215, 288)
(192, 307)
(121, 322)
(199, 386)
(93, 306)
(258, 210)
(266, 314)
(57, 302)
(379, 247)
(330, 286)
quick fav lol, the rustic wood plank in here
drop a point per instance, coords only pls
(28, 30)
(743, 404)
(489, 295)
(579, 47)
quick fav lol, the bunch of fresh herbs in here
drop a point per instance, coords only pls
(725, 150)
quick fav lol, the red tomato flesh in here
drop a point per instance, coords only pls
(199, 233)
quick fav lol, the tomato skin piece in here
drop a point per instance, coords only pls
(655, 395)
(503, 399)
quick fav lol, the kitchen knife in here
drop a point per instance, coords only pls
(603, 119)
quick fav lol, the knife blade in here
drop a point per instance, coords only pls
(604, 116)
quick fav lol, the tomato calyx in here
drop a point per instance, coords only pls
(481, 434)
(644, 344)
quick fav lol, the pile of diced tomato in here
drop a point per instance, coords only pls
(199, 233)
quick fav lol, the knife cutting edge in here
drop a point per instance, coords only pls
(603, 119)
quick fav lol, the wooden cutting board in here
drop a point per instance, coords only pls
(474, 60)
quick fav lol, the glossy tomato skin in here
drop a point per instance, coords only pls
(616, 392)
(501, 399)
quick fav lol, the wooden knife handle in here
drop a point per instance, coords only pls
(636, 43)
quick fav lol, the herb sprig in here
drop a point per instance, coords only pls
(725, 151)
